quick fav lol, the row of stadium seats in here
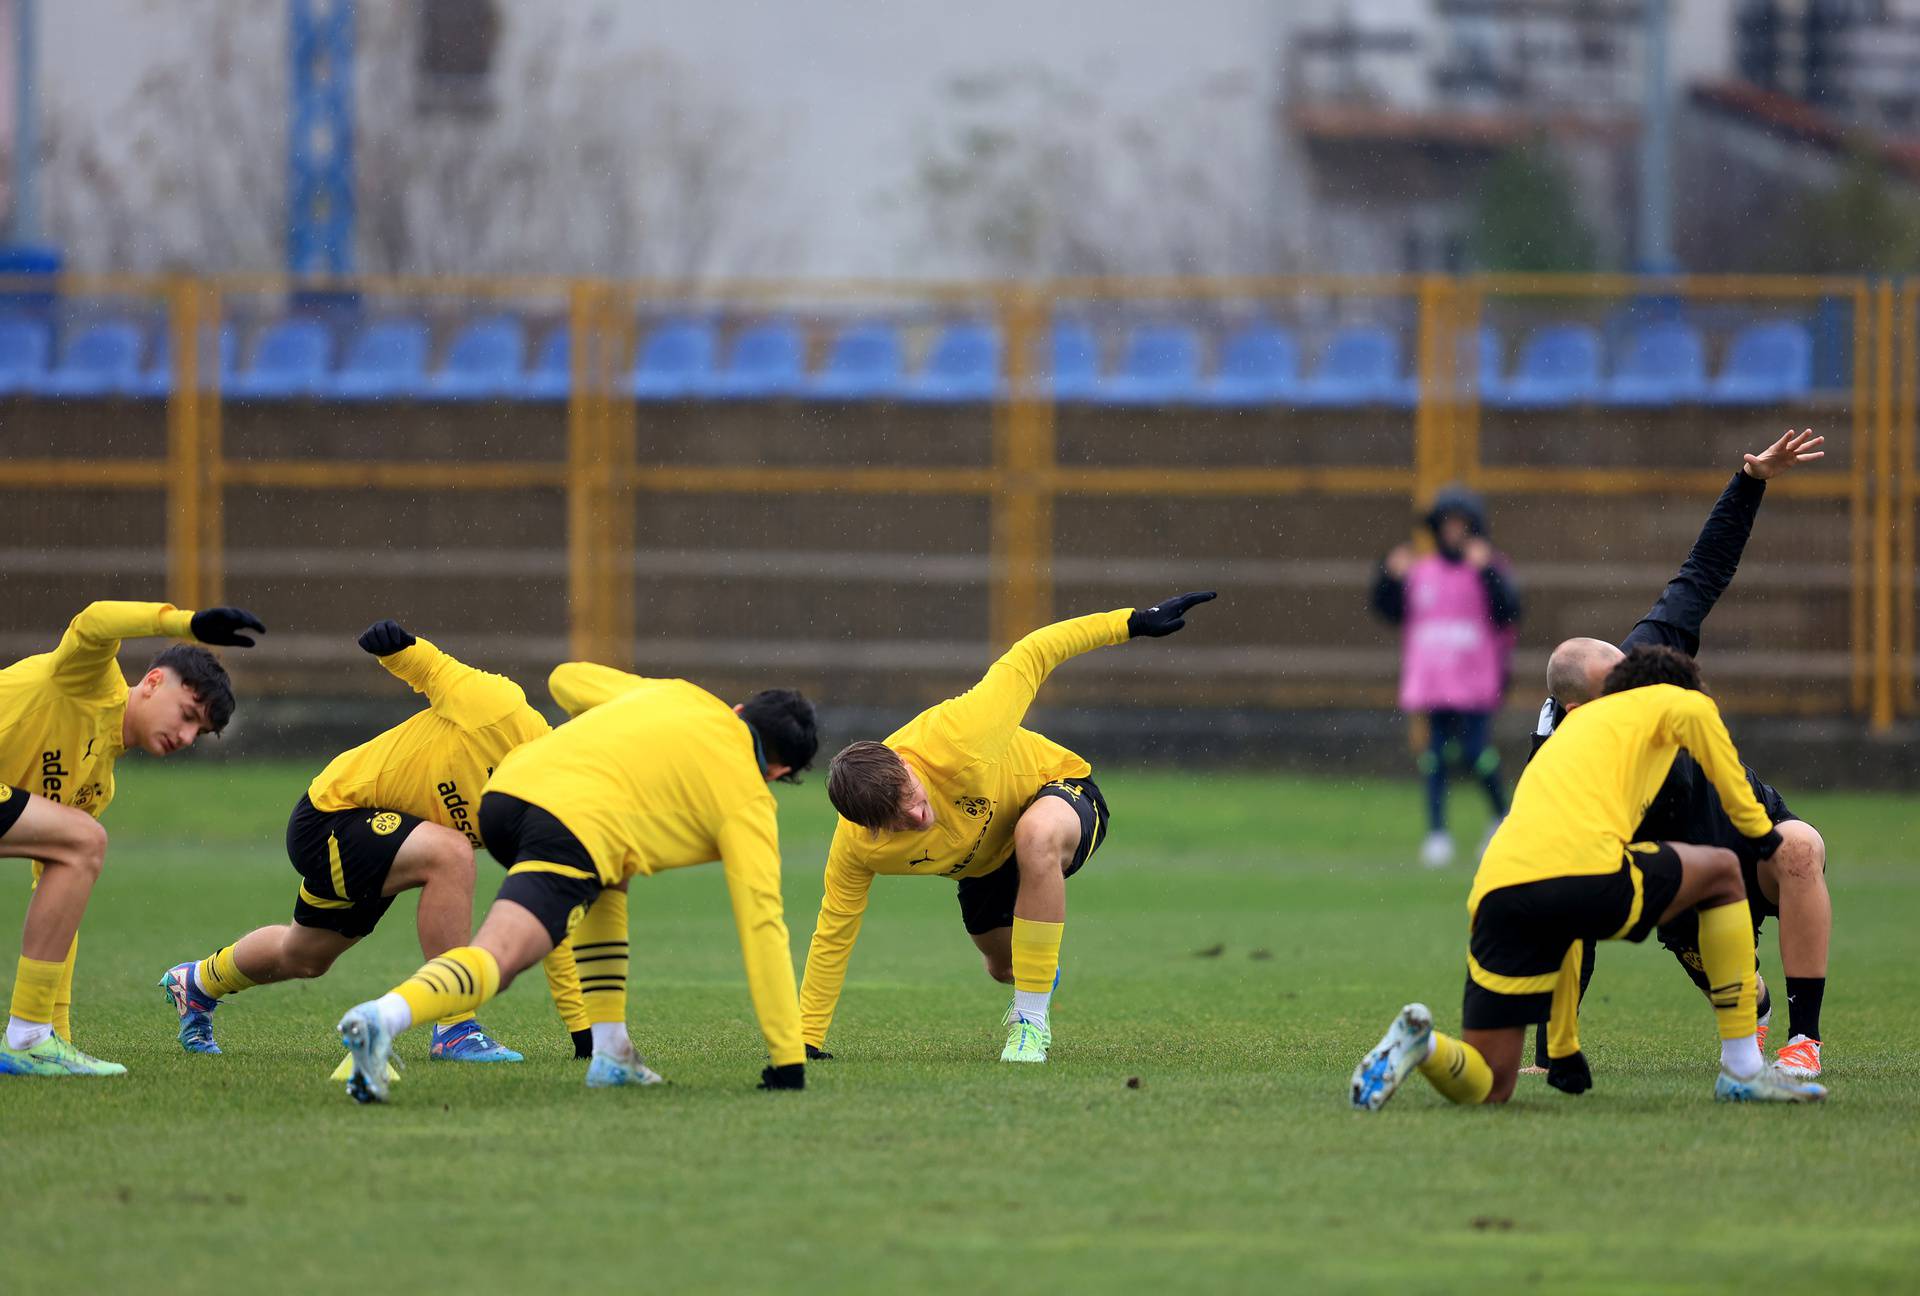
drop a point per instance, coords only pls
(1558, 365)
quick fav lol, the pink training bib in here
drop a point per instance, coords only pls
(1453, 657)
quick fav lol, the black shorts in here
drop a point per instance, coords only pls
(1521, 933)
(550, 873)
(986, 902)
(343, 858)
(13, 804)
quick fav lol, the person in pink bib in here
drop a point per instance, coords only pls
(1457, 609)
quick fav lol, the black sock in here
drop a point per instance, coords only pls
(1803, 1005)
(1765, 1005)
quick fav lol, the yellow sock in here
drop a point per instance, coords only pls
(218, 975)
(563, 983)
(63, 994)
(1457, 1070)
(35, 983)
(601, 950)
(1036, 954)
(456, 982)
(1726, 956)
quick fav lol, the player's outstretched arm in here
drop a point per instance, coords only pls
(750, 855)
(469, 697)
(1677, 616)
(843, 903)
(581, 686)
(1693, 721)
(92, 640)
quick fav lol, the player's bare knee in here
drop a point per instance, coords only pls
(1045, 844)
(305, 965)
(999, 969)
(1802, 856)
(1503, 1087)
(84, 849)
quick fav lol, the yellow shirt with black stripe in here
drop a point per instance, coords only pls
(435, 763)
(61, 712)
(1577, 804)
(656, 774)
(980, 768)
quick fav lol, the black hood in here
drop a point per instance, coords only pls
(1456, 498)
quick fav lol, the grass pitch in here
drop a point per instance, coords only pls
(1231, 952)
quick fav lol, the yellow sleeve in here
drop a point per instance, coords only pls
(470, 698)
(750, 854)
(1563, 1018)
(1694, 722)
(92, 642)
(842, 905)
(582, 686)
(983, 719)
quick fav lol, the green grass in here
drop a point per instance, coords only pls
(915, 1161)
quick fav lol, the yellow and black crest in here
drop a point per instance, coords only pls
(974, 806)
(385, 822)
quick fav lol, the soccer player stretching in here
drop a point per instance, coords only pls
(394, 814)
(651, 774)
(1564, 868)
(964, 792)
(1791, 884)
(65, 717)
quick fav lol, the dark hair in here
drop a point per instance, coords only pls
(864, 783)
(785, 722)
(203, 675)
(1653, 664)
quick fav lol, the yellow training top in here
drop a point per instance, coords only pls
(981, 769)
(61, 712)
(659, 774)
(1576, 806)
(434, 764)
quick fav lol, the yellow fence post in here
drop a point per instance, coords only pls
(1907, 343)
(1023, 485)
(209, 407)
(619, 326)
(1884, 487)
(1860, 451)
(184, 474)
(585, 436)
(1433, 453)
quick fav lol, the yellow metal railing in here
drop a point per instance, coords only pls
(604, 475)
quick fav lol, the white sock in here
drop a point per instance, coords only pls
(25, 1034)
(1741, 1057)
(395, 1012)
(1031, 1005)
(611, 1038)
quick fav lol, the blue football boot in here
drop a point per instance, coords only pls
(369, 1044)
(469, 1042)
(194, 1006)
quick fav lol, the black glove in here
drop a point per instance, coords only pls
(582, 1044)
(791, 1076)
(221, 627)
(1165, 617)
(385, 638)
(1759, 848)
(1570, 1074)
(817, 1054)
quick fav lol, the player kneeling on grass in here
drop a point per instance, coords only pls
(65, 717)
(394, 814)
(651, 774)
(1563, 869)
(964, 792)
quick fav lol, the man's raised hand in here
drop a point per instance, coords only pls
(1164, 617)
(221, 627)
(385, 638)
(1793, 448)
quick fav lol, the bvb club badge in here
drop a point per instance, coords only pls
(385, 822)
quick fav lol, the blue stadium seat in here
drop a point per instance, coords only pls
(484, 361)
(1160, 366)
(1560, 365)
(674, 361)
(963, 365)
(1071, 370)
(1664, 364)
(388, 359)
(99, 359)
(863, 364)
(1259, 365)
(290, 359)
(1361, 366)
(551, 377)
(1767, 364)
(157, 378)
(765, 362)
(24, 345)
